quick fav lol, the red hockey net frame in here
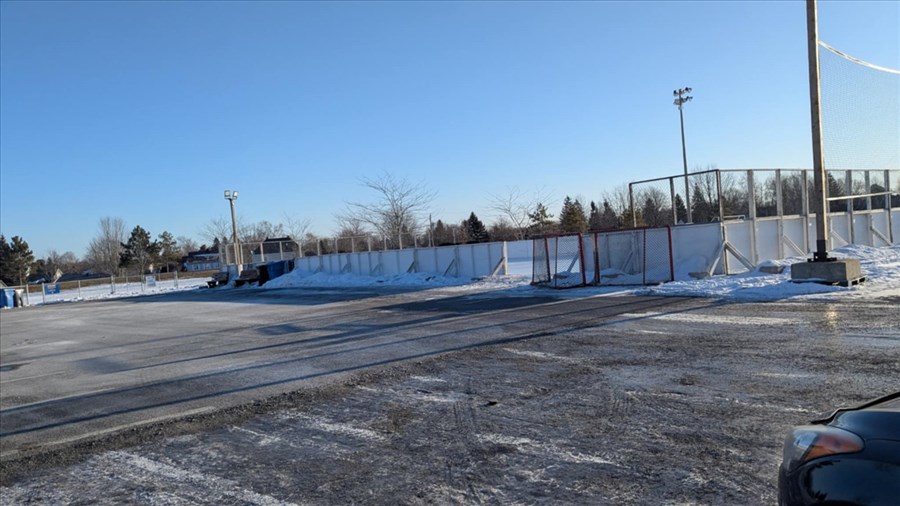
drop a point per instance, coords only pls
(641, 256)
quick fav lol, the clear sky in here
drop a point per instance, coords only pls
(147, 111)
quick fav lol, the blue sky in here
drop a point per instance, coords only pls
(149, 110)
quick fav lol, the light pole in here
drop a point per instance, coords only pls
(681, 98)
(231, 196)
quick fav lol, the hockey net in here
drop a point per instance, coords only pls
(625, 257)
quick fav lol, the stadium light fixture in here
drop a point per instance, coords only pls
(231, 196)
(681, 98)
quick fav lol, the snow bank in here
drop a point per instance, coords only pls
(880, 266)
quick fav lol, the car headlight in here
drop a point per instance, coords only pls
(813, 441)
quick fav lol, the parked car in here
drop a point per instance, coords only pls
(849, 458)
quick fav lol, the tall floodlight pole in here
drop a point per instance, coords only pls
(815, 106)
(231, 196)
(681, 98)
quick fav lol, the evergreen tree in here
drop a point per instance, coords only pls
(475, 229)
(443, 234)
(169, 251)
(139, 251)
(16, 259)
(541, 219)
(571, 217)
(652, 213)
(594, 222)
(835, 188)
(5, 274)
(608, 218)
(702, 210)
(680, 209)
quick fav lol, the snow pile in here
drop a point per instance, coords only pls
(880, 266)
(298, 278)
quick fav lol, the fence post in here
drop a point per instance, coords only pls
(644, 259)
(671, 257)
(889, 205)
(672, 197)
(581, 254)
(779, 211)
(631, 205)
(721, 197)
(79, 288)
(751, 196)
(43, 293)
(848, 183)
(27, 296)
(176, 279)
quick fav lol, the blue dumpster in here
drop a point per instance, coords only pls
(7, 297)
(276, 269)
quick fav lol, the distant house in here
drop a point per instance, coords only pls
(201, 261)
(274, 248)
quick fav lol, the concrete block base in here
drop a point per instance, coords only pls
(844, 272)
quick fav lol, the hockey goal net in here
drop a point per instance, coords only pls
(623, 257)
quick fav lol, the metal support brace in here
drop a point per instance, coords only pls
(741, 258)
(791, 244)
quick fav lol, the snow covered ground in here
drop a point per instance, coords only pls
(104, 291)
(881, 267)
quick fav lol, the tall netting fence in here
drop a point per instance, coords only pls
(655, 204)
(860, 131)
(260, 252)
(675, 200)
(860, 113)
(729, 195)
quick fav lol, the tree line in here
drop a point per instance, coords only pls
(110, 253)
(396, 216)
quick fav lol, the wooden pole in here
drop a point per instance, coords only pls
(819, 181)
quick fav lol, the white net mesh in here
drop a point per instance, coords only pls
(860, 112)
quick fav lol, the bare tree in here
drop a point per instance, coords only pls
(396, 208)
(106, 248)
(259, 231)
(186, 244)
(514, 207)
(297, 228)
(618, 199)
(57, 263)
(217, 228)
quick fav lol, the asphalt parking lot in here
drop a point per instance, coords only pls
(421, 397)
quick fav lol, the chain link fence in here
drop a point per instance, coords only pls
(723, 195)
(103, 287)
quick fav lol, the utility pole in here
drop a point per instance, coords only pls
(815, 106)
(231, 196)
(681, 98)
(821, 268)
